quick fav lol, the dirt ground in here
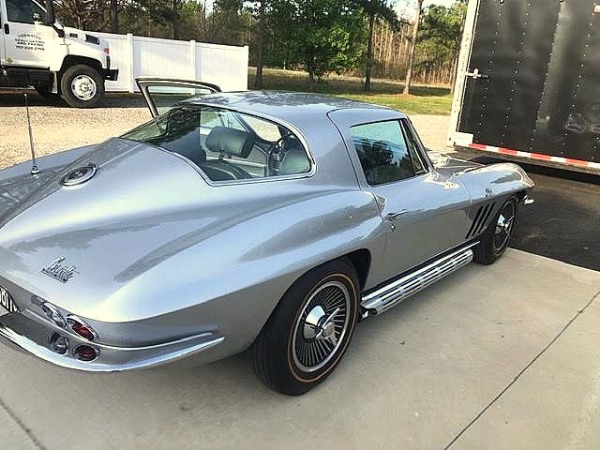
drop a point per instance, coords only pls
(57, 128)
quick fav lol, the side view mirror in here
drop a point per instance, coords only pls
(36, 17)
(50, 16)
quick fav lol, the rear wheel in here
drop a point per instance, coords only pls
(496, 238)
(81, 86)
(309, 332)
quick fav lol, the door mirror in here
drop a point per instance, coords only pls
(50, 16)
(161, 94)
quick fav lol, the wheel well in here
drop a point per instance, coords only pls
(361, 260)
(72, 60)
(520, 195)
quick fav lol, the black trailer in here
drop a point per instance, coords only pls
(528, 85)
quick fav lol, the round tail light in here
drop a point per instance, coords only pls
(85, 353)
(81, 328)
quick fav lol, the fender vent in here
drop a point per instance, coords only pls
(481, 219)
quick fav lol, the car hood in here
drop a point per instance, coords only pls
(142, 206)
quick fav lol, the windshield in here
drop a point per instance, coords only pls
(226, 145)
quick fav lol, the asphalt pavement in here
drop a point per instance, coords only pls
(564, 221)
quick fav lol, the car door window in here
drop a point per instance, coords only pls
(383, 152)
(23, 11)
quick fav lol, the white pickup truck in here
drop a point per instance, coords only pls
(36, 50)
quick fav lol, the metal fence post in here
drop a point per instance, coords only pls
(130, 47)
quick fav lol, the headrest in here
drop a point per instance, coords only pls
(230, 141)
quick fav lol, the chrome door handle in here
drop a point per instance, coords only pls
(393, 216)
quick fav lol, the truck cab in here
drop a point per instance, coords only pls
(58, 61)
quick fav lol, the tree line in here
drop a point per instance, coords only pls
(358, 37)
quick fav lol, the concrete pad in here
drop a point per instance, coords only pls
(12, 433)
(556, 403)
(412, 378)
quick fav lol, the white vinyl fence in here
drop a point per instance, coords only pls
(223, 65)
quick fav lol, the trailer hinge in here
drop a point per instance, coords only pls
(475, 74)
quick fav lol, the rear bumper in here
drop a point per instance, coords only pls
(36, 339)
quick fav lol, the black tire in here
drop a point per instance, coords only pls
(284, 358)
(81, 86)
(495, 239)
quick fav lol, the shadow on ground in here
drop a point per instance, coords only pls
(15, 97)
(564, 221)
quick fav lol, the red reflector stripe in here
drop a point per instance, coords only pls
(537, 156)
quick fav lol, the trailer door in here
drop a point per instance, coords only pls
(531, 86)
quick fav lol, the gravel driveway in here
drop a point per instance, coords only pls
(57, 127)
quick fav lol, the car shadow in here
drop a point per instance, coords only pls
(563, 222)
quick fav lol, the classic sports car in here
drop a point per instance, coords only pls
(262, 221)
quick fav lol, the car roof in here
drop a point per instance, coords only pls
(291, 107)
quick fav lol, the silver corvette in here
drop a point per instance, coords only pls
(268, 222)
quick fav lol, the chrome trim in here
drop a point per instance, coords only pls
(399, 290)
(110, 358)
(79, 175)
(527, 200)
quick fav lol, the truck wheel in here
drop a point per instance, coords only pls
(495, 239)
(308, 333)
(81, 86)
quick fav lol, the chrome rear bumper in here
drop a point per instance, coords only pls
(36, 339)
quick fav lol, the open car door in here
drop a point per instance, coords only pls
(162, 94)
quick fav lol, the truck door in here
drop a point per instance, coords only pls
(26, 40)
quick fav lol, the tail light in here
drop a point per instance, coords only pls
(86, 353)
(81, 328)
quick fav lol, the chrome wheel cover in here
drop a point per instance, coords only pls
(504, 226)
(83, 87)
(321, 326)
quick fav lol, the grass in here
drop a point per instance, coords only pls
(423, 99)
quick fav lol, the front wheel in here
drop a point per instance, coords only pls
(309, 331)
(81, 86)
(495, 239)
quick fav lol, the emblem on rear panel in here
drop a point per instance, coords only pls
(79, 175)
(7, 302)
(58, 271)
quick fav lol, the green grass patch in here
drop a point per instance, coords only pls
(422, 100)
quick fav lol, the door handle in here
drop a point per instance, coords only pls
(393, 216)
(6, 29)
(476, 74)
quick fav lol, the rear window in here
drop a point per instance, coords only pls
(226, 145)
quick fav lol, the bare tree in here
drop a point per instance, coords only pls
(413, 46)
(376, 9)
(114, 23)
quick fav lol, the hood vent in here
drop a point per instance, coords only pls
(481, 219)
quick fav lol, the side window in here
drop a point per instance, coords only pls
(23, 11)
(414, 146)
(383, 152)
(226, 145)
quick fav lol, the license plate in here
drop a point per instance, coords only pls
(6, 302)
